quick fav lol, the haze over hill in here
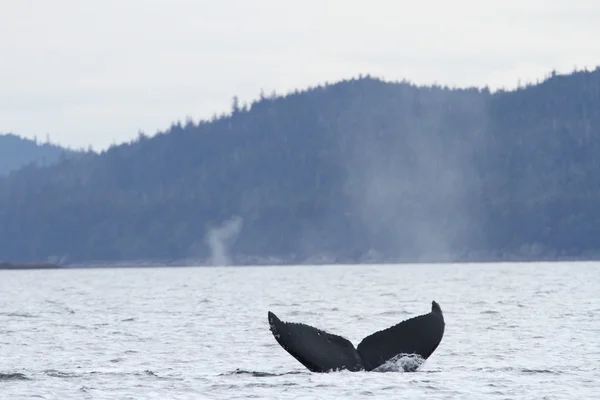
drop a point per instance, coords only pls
(16, 152)
(358, 170)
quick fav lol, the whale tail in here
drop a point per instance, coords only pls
(320, 351)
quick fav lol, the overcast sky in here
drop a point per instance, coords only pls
(97, 72)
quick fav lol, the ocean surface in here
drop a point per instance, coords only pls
(513, 331)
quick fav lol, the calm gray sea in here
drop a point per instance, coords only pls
(513, 331)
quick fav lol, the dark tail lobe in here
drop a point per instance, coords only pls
(419, 335)
(317, 350)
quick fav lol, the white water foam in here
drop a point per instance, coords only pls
(402, 363)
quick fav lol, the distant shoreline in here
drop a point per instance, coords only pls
(245, 261)
(283, 262)
(10, 266)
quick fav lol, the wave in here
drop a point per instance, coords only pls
(13, 376)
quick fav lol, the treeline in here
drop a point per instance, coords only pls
(16, 152)
(360, 170)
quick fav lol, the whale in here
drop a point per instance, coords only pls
(320, 351)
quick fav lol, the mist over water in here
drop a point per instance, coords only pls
(523, 331)
(412, 182)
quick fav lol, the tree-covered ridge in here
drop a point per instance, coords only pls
(16, 152)
(360, 169)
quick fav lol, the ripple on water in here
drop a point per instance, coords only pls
(13, 376)
(15, 314)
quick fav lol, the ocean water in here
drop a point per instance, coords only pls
(513, 331)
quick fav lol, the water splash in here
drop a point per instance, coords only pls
(219, 239)
(402, 363)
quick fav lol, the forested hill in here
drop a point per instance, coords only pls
(16, 152)
(358, 170)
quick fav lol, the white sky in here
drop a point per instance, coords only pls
(97, 72)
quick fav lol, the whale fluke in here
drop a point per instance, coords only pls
(320, 351)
